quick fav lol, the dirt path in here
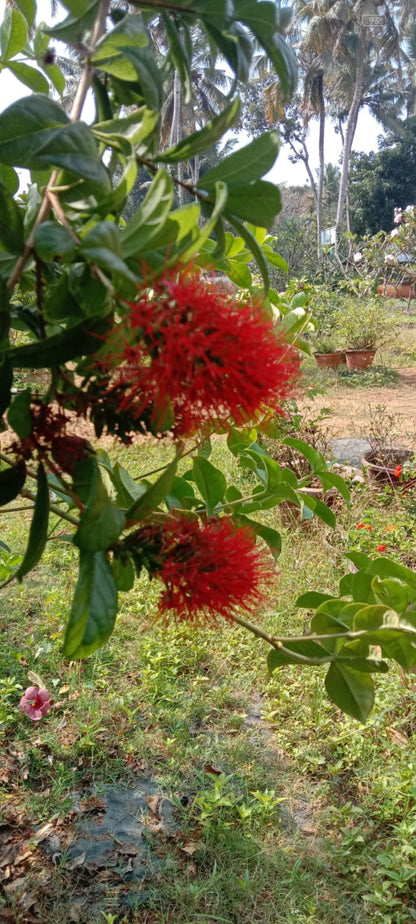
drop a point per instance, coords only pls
(351, 407)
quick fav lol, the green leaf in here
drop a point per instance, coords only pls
(320, 510)
(74, 149)
(80, 340)
(102, 246)
(38, 533)
(13, 33)
(31, 77)
(391, 592)
(127, 488)
(312, 599)
(178, 53)
(331, 480)
(315, 458)
(245, 166)
(135, 131)
(53, 240)
(210, 482)
(28, 8)
(94, 607)
(76, 7)
(351, 690)
(180, 492)
(270, 536)
(9, 178)
(155, 494)
(261, 19)
(56, 77)
(11, 223)
(73, 28)
(19, 416)
(197, 142)
(255, 248)
(258, 202)
(25, 126)
(5, 320)
(6, 382)
(150, 217)
(123, 572)
(11, 483)
(128, 33)
(219, 206)
(101, 522)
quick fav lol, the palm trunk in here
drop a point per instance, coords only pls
(176, 129)
(320, 189)
(350, 129)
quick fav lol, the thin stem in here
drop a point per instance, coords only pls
(54, 507)
(257, 631)
(30, 496)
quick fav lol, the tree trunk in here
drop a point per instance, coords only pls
(350, 129)
(321, 164)
(176, 129)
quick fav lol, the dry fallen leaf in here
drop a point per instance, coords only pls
(154, 803)
(208, 768)
(397, 737)
(65, 689)
(77, 861)
(44, 831)
(191, 847)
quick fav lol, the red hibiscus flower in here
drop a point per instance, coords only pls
(35, 703)
(187, 354)
(208, 569)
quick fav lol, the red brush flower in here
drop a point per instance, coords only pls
(381, 548)
(208, 569)
(188, 349)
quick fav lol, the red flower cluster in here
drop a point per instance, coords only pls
(381, 548)
(48, 435)
(364, 526)
(188, 351)
(208, 569)
(397, 471)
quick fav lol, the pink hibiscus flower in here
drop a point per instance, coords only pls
(35, 703)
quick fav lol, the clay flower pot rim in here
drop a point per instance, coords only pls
(372, 349)
(400, 455)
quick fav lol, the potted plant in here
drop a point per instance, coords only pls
(385, 459)
(326, 353)
(364, 329)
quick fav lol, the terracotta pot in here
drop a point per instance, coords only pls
(384, 474)
(330, 360)
(359, 359)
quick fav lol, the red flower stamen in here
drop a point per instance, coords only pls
(188, 354)
(208, 569)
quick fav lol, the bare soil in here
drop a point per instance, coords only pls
(352, 408)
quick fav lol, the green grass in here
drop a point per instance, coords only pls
(313, 817)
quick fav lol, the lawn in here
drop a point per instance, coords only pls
(280, 808)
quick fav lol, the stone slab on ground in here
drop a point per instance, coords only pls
(349, 450)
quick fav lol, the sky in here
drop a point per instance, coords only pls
(283, 172)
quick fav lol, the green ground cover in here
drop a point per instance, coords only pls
(296, 814)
